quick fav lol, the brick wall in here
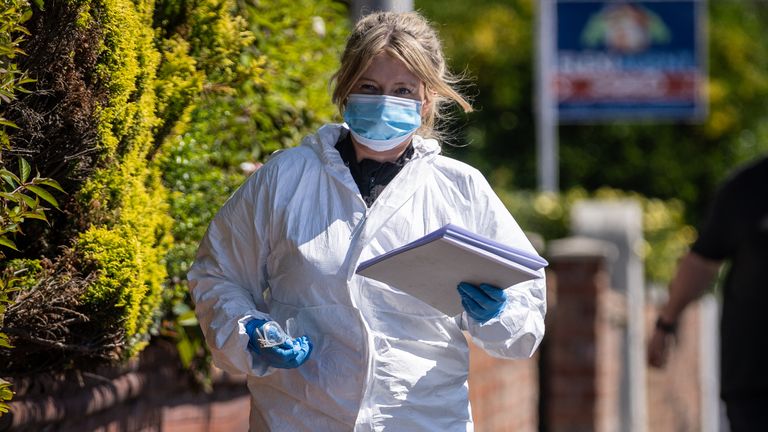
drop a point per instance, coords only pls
(576, 374)
(150, 394)
(674, 392)
(207, 414)
(226, 410)
(504, 393)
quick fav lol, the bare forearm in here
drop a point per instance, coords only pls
(694, 275)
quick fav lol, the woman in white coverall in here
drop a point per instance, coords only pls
(286, 246)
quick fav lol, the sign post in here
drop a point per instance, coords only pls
(610, 60)
(360, 8)
(546, 118)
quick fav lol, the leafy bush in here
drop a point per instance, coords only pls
(20, 200)
(294, 50)
(115, 80)
(12, 17)
(6, 394)
(20, 196)
(145, 110)
(292, 57)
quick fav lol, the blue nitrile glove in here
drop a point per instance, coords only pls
(482, 303)
(269, 341)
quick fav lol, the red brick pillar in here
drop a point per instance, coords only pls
(503, 393)
(584, 327)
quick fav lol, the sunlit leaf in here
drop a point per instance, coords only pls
(8, 124)
(48, 182)
(186, 351)
(4, 343)
(187, 319)
(33, 215)
(5, 241)
(44, 194)
(24, 169)
(31, 202)
(7, 176)
(10, 196)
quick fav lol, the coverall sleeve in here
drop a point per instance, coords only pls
(518, 330)
(228, 278)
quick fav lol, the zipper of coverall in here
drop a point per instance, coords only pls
(364, 410)
(365, 397)
(354, 242)
(359, 227)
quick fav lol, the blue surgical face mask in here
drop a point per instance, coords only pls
(381, 122)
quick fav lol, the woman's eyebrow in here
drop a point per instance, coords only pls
(402, 82)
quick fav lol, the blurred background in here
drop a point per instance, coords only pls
(126, 124)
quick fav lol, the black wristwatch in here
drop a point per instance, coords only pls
(669, 328)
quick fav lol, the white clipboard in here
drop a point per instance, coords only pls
(431, 267)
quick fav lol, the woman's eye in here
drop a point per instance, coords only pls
(403, 91)
(368, 88)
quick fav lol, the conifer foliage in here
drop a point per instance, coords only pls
(119, 119)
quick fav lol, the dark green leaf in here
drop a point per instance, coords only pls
(44, 194)
(10, 196)
(31, 202)
(6, 175)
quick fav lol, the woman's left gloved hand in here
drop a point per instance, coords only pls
(279, 350)
(482, 302)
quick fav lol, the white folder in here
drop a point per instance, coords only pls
(431, 267)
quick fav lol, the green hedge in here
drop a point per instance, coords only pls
(144, 111)
(121, 81)
(294, 51)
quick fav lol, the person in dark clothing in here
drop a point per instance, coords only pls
(735, 232)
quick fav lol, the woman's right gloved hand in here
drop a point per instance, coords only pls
(269, 341)
(482, 302)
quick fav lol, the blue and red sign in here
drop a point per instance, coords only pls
(630, 60)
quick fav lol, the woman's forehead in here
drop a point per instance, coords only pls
(384, 67)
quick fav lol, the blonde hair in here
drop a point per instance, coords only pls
(407, 37)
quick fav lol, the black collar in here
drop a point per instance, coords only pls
(370, 176)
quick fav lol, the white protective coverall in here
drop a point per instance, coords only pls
(286, 245)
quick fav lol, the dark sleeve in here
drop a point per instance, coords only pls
(718, 232)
